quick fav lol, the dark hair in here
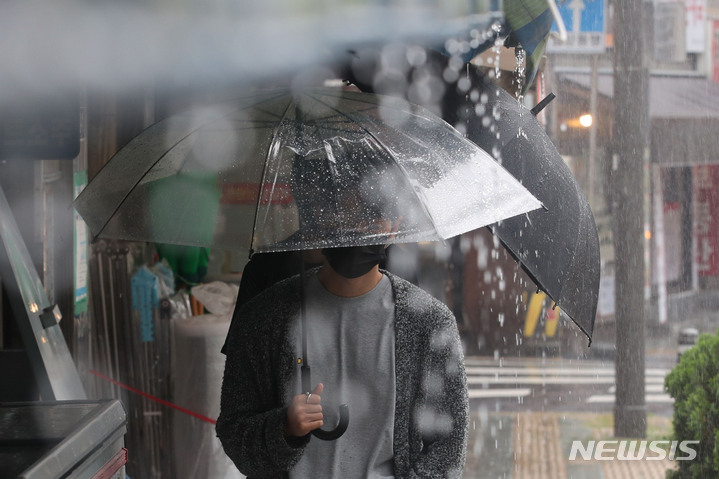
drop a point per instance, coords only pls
(347, 173)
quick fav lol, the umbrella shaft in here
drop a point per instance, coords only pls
(305, 370)
(306, 378)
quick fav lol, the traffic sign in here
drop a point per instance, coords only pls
(585, 21)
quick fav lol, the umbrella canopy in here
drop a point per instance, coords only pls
(530, 23)
(558, 246)
(281, 170)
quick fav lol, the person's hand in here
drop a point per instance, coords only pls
(305, 413)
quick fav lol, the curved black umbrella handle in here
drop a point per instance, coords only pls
(306, 374)
(339, 430)
(344, 411)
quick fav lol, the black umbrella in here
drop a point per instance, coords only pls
(558, 247)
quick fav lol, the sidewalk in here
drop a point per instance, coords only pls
(537, 445)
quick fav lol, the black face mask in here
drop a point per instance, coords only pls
(354, 261)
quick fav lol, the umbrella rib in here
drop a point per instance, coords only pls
(141, 177)
(130, 190)
(384, 147)
(264, 175)
(220, 120)
(205, 126)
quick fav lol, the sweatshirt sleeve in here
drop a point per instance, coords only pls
(443, 413)
(251, 422)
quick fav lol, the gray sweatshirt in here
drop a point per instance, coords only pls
(431, 408)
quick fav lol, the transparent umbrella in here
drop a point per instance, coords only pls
(285, 170)
(290, 170)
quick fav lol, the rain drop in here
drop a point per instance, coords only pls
(449, 75)
(416, 56)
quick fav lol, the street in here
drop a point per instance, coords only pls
(526, 412)
(556, 385)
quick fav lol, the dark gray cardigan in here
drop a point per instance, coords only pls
(431, 409)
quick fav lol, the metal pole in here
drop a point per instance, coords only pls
(107, 356)
(593, 131)
(112, 274)
(630, 135)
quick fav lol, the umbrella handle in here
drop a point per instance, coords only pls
(306, 375)
(344, 411)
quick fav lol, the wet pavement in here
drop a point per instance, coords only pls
(525, 413)
(533, 445)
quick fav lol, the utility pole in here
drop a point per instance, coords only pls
(630, 137)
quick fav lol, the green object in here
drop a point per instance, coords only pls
(530, 22)
(194, 193)
(189, 263)
(694, 385)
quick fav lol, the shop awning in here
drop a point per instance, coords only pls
(684, 112)
(670, 95)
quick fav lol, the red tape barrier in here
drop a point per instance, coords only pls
(155, 398)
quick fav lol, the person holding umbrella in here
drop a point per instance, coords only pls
(385, 171)
(377, 342)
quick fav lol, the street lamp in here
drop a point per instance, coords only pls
(584, 121)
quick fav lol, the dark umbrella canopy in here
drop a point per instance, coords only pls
(558, 246)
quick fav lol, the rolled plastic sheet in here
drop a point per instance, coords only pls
(198, 367)
(217, 297)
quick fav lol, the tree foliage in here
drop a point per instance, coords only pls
(694, 385)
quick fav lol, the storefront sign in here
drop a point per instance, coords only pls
(247, 194)
(706, 219)
(669, 31)
(696, 28)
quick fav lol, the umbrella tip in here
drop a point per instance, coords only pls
(542, 104)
